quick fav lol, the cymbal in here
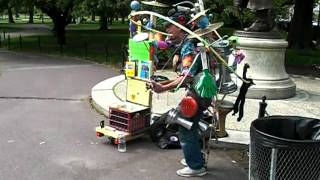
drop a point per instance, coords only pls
(154, 3)
(140, 37)
(207, 30)
(195, 17)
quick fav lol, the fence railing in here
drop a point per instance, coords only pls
(12, 42)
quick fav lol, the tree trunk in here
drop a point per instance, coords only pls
(110, 20)
(59, 30)
(31, 12)
(300, 33)
(122, 19)
(10, 15)
(103, 22)
(93, 16)
(73, 20)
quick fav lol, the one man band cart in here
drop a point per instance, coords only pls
(195, 74)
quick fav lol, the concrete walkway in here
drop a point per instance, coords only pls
(305, 103)
(29, 30)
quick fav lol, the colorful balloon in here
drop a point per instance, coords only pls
(135, 5)
(203, 22)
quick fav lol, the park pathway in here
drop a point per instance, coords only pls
(29, 30)
(47, 127)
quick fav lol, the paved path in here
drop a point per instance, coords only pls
(30, 30)
(47, 128)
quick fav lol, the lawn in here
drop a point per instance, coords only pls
(302, 57)
(86, 41)
(83, 41)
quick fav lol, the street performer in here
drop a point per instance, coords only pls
(189, 139)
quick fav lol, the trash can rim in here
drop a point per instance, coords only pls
(280, 138)
(284, 139)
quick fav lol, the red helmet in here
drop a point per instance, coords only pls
(188, 107)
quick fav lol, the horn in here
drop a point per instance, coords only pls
(174, 118)
(204, 126)
(225, 84)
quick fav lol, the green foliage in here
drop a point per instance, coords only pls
(302, 57)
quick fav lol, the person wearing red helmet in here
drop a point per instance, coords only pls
(191, 106)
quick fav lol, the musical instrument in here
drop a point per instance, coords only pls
(155, 3)
(211, 28)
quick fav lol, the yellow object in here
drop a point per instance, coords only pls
(114, 133)
(130, 69)
(139, 27)
(138, 93)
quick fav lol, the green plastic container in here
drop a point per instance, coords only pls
(139, 50)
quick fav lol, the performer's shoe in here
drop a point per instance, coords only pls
(183, 162)
(188, 172)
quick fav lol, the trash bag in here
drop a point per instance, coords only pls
(167, 136)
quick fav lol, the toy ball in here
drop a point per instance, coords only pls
(203, 22)
(162, 45)
(210, 17)
(135, 5)
(145, 21)
(188, 107)
(149, 24)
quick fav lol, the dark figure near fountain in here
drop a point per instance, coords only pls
(262, 9)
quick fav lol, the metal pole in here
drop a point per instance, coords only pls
(39, 45)
(9, 42)
(85, 49)
(107, 52)
(250, 163)
(61, 48)
(123, 55)
(273, 167)
(20, 41)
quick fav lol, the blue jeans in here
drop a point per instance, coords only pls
(189, 140)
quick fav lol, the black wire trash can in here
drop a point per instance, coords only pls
(284, 148)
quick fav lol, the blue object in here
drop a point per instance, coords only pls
(135, 5)
(203, 22)
(149, 25)
(132, 29)
(189, 140)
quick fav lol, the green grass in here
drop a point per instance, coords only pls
(80, 34)
(302, 57)
(24, 19)
(78, 37)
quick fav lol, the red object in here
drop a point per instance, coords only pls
(188, 107)
(151, 53)
(129, 121)
(99, 134)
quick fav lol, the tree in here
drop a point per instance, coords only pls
(105, 10)
(29, 5)
(60, 13)
(123, 9)
(8, 5)
(300, 33)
